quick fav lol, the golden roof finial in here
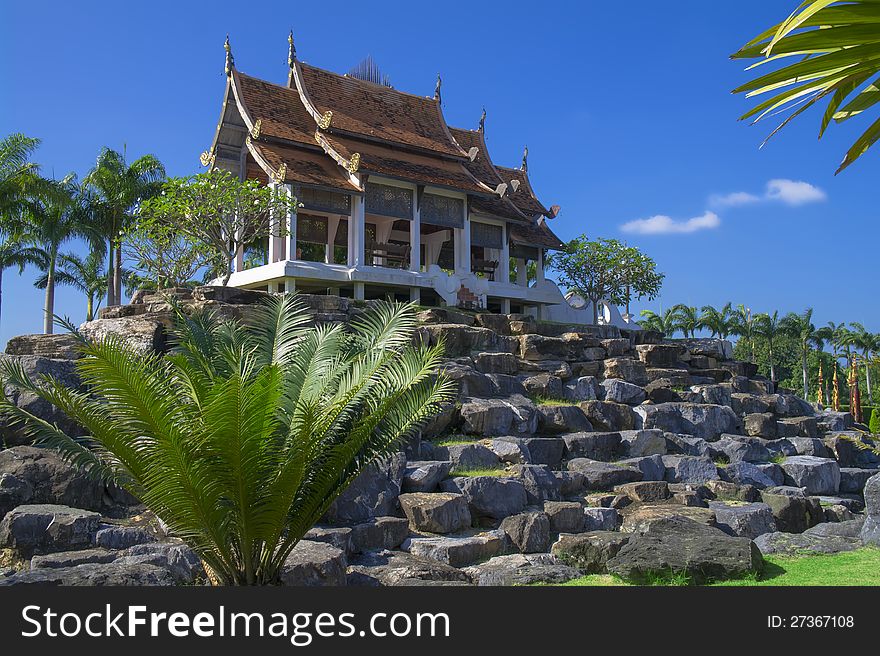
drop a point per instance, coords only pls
(525, 161)
(291, 50)
(437, 88)
(483, 121)
(230, 60)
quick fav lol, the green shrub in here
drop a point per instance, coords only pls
(874, 423)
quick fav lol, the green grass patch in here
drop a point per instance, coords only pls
(495, 471)
(852, 568)
(550, 400)
(778, 458)
(721, 461)
(451, 440)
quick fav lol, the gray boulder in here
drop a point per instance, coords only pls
(745, 473)
(314, 564)
(392, 568)
(494, 417)
(689, 469)
(529, 532)
(565, 516)
(372, 494)
(621, 391)
(468, 455)
(457, 551)
(439, 512)
(609, 416)
(604, 475)
(746, 521)
(595, 446)
(698, 420)
(122, 537)
(521, 569)
(817, 475)
(377, 533)
(741, 449)
(425, 475)
(640, 443)
(871, 530)
(539, 482)
(793, 514)
(652, 467)
(589, 552)
(488, 496)
(558, 419)
(853, 480)
(45, 528)
(601, 519)
(94, 574)
(792, 544)
(511, 450)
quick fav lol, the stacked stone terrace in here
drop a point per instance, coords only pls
(570, 450)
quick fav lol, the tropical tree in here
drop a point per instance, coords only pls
(719, 322)
(769, 326)
(240, 439)
(869, 343)
(687, 319)
(219, 213)
(52, 221)
(800, 327)
(19, 182)
(743, 324)
(834, 51)
(86, 275)
(117, 188)
(639, 278)
(662, 323)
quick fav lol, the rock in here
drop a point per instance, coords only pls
(543, 450)
(538, 347)
(817, 475)
(670, 377)
(238, 296)
(460, 340)
(468, 455)
(94, 574)
(604, 475)
(619, 391)
(544, 385)
(687, 445)
(747, 521)
(390, 568)
(496, 363)
(539, 482)
(714, 394)
(645, 491)
(744, 404)
(609, 416)
(565, 516)
(122, 537)
(372, 494)
(601, 519)
(585, 388)
(652, 467)
(457, 551)
(640, 518)
(640, 443)
(45, 528)
(660, 355)
(379, 533)
(838, 513)
(705, 421)
(789, 405)
(871, 530)
(798, 427)
(425, 475)
(488, 496)
(836, 421)
(62, 346)
(529, 532)
(570, 483)
(745, 473)
(660, 391)
(793, 514)
(790, 544)
(13, 434)
(626, 369)
(145, 333)
(741, 449)
(511, 450)
(689, 469)
(556, 419)
(174, 557)
(73, 558)
(495, 417)
(595, 446)
(760, 424)
(589, 552)
(682, 546)
(521, 569)
(852, 480)
(437, 512)
(336, 536)
(848, 529)
(314, 564)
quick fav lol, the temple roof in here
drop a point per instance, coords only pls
(279, 109)
(535, 234)
(301, 166)
(524, 196)
(375, 112)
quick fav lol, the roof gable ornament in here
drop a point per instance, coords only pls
(482, 127)
(230, 60)
(281, 174)
(326, 119)
(437, 89)
(255, 130)
(515, 184)
(354, 163)
(501, 189)
(206, 158)
(473, 151)
(291, 50)
(525, 160)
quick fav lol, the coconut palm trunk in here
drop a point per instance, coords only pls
(49, 306)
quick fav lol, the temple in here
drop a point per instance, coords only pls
(391, 200)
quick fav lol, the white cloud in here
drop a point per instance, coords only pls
(734, 200)
(794, 192)
(664, 225)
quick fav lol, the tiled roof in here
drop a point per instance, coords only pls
(304, 166)
(536, 234)
(377, 112)
(279, 110)
(524, 197)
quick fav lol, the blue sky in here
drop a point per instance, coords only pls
(631, 125)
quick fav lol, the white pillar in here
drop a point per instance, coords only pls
(415, 237)
(291, 226)
(356, 230)
(332, 225)
(505, 306)
(275, 243)
(539, 266)
(415, 295)
(503, 274)
(359, 291)
(463, 247)
(522, 272)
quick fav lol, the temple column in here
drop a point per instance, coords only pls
(504, 265)
(356, 231)
(522, 272)
(415, 295)
(415, 237)
(359, 291)
(291, 226)
(505, 306)
(539, 266)
(332, 226)
(275, 242)
(463, 247)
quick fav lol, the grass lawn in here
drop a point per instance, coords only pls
(495, 471)
(860, 567)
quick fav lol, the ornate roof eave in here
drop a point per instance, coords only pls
(211, 152)
(242, 109)
(350, 166)
(549, 213)
(276, 175)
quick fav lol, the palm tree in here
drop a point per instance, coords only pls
(719, 322)
(19, 182)
(86, 275)
(869, 343)
(118, 187)
(836, 56)
(769, 327)
(801, 328)
(664, 323)
(742, 324)
(687, 319)
(53, 221)
(241, 438)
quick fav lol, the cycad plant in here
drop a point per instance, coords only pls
(241, 438)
